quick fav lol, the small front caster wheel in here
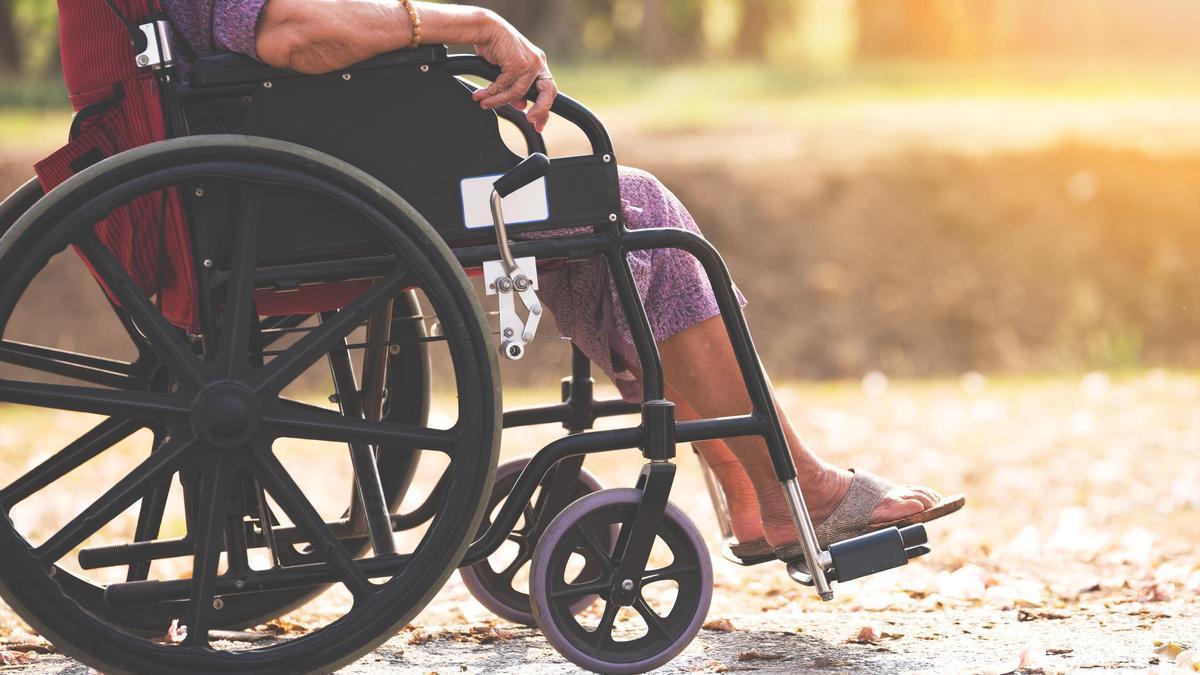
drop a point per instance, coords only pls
(498, 582)
(634, 625)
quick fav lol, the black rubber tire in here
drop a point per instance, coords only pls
(557, 619)
(488, 586)
(35, 590)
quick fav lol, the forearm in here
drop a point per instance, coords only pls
(318, 36)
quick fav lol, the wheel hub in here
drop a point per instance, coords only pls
(226, 415)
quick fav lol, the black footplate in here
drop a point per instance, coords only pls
(869, 554)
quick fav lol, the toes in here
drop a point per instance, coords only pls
(894, 508)
(932, 495)
(925, 497)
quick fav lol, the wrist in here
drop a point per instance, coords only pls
(484, 22)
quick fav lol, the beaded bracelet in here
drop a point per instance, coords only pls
(415, 19)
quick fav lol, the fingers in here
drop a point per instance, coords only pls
(501, 84)
(539, 114)
(513, 92)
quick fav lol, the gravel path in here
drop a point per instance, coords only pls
(975, 640)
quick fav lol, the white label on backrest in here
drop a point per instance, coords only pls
(527, 205)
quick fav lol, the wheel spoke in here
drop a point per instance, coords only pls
(102, 437)
(109, 505)
(325, 425)
(82, 367)
(207, 538)
(653, 621)
(603, 631)
(165, 340)
(291, 498)
(669, 573)
(319, 341)
(573, 591)
(593, 547)
(149, 522)
(148, 406)
(239, 316)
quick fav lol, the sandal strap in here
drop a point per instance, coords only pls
(853, 514)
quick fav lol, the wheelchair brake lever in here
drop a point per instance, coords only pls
(520, 282)
(508, 277)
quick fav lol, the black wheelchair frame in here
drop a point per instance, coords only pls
(583, 194)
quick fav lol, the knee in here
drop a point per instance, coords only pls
(649, 203)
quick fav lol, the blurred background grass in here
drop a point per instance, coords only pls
(918, 187)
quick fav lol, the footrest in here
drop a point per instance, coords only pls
(878, 551)
(868, 554)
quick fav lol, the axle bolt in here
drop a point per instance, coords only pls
(394, 350)
(218, 603)
(199, 192)
(627, 585)
(208, 263)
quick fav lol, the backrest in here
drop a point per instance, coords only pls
(409, 121)
(413, 127)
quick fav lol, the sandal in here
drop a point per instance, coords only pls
(851, 518)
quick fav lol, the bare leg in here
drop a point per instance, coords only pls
(739, 491)
(715, 390)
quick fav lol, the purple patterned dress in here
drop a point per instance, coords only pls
(582, 297)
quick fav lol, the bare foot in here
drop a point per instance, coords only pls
(823, 494)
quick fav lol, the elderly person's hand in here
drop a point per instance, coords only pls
(522, 65)
(319, 36)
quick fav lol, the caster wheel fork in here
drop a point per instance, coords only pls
(498, 584)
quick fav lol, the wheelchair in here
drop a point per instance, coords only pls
(354, 204)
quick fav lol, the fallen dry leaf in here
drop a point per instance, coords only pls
(872, 633)
(1026, 615)
(176, 633)
(38, 647)
(759, 656)
(1027, 659)
(284, 627)
(1167, 651)
(419, 638)
(1162, 592)
(15, 658)
(866, 635)
(720, 625)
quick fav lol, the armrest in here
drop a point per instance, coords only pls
(231, 69)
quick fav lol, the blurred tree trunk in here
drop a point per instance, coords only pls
(10, 52)
(751, 41)
(655, 36)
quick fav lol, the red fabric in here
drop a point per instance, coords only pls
(98, 64)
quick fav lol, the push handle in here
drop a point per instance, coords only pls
(530, 169)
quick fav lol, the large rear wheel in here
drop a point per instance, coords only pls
(237, 452)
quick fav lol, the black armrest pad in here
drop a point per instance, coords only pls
(228, 68)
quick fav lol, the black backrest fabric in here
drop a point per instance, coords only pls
(415, 128)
